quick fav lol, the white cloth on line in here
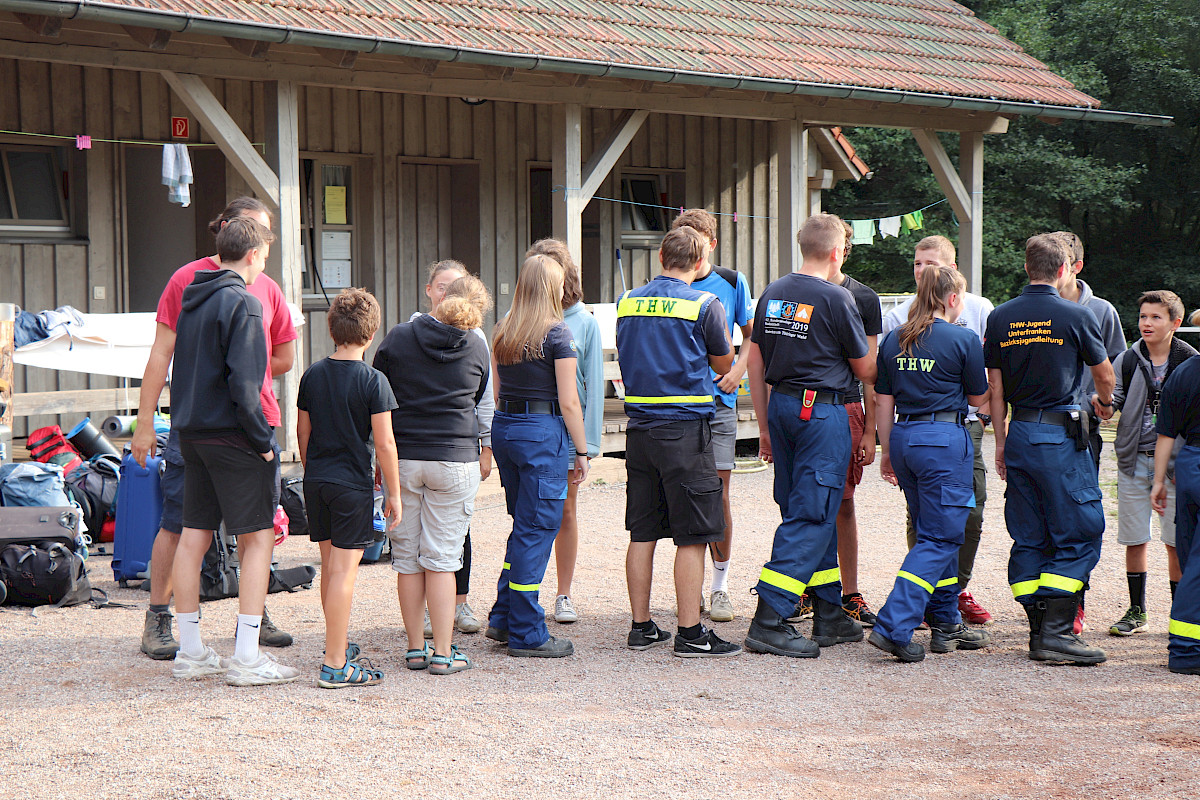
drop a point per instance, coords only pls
(889, 226)
(177, 173)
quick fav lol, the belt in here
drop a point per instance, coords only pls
(833, 398)
(936, 416)
(530, 407)
(1039, 415)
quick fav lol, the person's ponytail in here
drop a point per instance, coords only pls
(933, 287)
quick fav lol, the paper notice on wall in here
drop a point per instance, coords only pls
(336, 245)
(335, 205)
(335, 273)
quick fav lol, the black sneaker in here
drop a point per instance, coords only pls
(857, 609)
(644, 640)
(497, 634)
(706, 645)
(554, 647)
(910, 653)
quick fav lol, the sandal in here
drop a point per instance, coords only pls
(418, 659)
(353, 651)
(448, 665)
(352, 674)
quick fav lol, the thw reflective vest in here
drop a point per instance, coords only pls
(661, 349)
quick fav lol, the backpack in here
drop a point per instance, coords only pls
(94, 484)
(219, 570)
(44, 573)
(291, 497)
(49, 446)
(31, 484)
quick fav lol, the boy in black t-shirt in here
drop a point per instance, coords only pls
(342, 401)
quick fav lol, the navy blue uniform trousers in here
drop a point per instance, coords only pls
(1184, 628)
(934, 464)
(530, 450)
(811, 457)
(1053, 512)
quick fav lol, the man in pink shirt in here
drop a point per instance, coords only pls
(158, 642)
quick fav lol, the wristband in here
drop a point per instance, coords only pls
(1106, 405)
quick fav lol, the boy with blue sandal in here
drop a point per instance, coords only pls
(341, 403)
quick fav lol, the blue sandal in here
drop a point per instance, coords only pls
(418, 659)
(353, 651)
(354, 673)
(448, 665)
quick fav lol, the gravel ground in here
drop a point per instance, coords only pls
(84, 714)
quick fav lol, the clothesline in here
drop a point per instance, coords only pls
(141, 142)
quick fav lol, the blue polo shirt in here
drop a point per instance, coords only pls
(942, 367)
(739, 310)
(1039, 342)
(665, 333)
(1179, 405)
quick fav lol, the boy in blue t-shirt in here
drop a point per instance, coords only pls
(342, 402)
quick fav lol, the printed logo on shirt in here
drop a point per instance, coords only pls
(907, 364)
(788, 318)
(1023, 332)
(574, 348)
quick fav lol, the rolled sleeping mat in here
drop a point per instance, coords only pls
(89, 441)
(119, 426)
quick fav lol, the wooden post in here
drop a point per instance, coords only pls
(567, 176)
(970, 232)
(283, 158)
(8, 313)
(791, 147)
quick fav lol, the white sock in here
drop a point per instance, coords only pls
(720, 575)
(189, 633)
(245, 649)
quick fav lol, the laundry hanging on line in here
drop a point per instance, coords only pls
(177, 173)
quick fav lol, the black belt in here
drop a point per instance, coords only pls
(833, 398)
(1039, 415)
(530, 407)
(1193, 440)
(935, 416)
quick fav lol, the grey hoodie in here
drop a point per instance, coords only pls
(1129, 427)
(1110, 333)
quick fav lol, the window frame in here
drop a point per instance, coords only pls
(16, 227)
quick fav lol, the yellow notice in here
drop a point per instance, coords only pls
(335, 205)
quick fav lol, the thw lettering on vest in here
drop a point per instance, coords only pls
(908, 364)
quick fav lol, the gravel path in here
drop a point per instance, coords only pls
(85, 715)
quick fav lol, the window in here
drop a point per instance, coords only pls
(327, 215)
(643, 194)
(33, 197)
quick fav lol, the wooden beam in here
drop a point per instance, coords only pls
(567, 175)
(791, 151)
(822, 180)
(228, 136)
(339, 58)
(943, 170)
(153, 38)
(970, 231)
(41, 25)
(253, 48)
(30, 404)
(608, 152)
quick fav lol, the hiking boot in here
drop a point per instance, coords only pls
(271, 636)
(769, 633)
(909, 653)
(1133, 622)
(1057, 643)
(428, 626)
(262, 672)
(706, 645)
(496, 634)
(188, 668)
(947, 638)
(465, 620)
(644, 640)
(832, 625)
(554, 647)
(157, 640)
(720, 607)
(857, 609)
(1035, 626)
(564, 611)
(971, 611)
(804, 609)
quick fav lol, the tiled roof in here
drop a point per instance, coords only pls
(928, 46)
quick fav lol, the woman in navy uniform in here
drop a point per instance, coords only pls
(929, 370)
(533, 366)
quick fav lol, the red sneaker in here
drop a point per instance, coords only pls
(971, 611)
(1080, 626)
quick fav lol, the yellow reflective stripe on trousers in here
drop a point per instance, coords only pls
(507, 565)
(1061, 582)
(1186, 629)
(524, 587)
(825, 576)
(948, 582)
(1024, 587)
(781, 581)
(908, 576)
(671, 307)
(677, 398)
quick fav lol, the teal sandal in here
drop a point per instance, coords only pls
(448, 665)
(353, 651)
(354, 673)
(418, 659)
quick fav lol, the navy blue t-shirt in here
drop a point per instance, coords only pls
(943, 366)
(1179, 404)
(535, 379)
(807, 328)
(1039, 341)
(340, 397)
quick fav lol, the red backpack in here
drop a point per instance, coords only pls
(49, 446)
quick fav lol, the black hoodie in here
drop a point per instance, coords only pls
(220, 361)
(438, 373)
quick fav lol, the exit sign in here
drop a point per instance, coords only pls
(179, 127)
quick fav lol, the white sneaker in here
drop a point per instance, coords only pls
(465, 619)
(564, 612)
(266, 670)
(189, 668)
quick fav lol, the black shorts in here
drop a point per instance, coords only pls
(171, 483)
(340, 515)
(673, 489)
(224, 482)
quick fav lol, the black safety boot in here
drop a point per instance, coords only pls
(1035, 627)
(1057, 641)
(948, 637)
(832, 625)
(909, 653)
(770, 633)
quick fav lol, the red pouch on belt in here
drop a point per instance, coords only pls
(806, 403)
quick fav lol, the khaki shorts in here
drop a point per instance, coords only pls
(437, 499)
(858, 424)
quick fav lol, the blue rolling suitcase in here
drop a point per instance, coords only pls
(139, 511)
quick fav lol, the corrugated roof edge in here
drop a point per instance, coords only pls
(203, 24)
